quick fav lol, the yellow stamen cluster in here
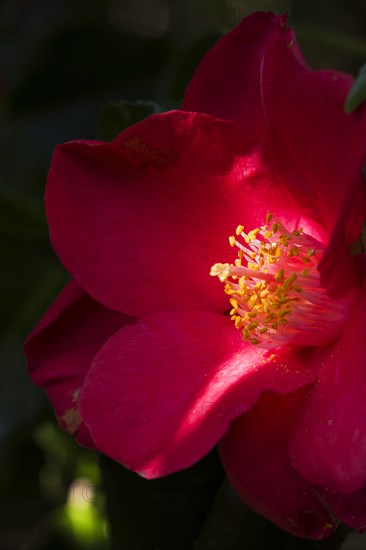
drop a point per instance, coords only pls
(267, 278)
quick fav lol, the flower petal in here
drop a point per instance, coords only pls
(255, 456)
(329, 444)
(140, 221)
(227, 81)
(60, 349)
(350, 508)
(256, 75)
(161, 392)
(325, 148)
(340, 270)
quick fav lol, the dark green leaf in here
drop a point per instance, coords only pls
(233, 526)
(357, 94)
(159, 514)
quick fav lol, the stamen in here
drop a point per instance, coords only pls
(274, 285)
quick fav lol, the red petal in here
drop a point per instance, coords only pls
(350, 508)
(61, 347)
(325, 147)
(255, 456)
(339, 269)
(140, 221)
(257, 75)
(329, 445)
(161, 393)
(227, 81)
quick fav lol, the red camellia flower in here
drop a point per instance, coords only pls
(152, 361)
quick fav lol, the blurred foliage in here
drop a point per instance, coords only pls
(165, 513)
(116, 116)
(61, 63)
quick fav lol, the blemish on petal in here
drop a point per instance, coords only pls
(75, 395)
(148, 155)
(71, 420)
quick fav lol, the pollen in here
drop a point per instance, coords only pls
(272, 294)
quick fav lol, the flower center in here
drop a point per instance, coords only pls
(274, 288)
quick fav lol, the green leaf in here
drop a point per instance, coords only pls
(117, 116)
(165, 513)
(357, 94)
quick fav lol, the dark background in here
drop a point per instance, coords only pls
(60, 62)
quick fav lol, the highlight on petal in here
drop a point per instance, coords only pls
(328, 446)
(161, 392)
(148, 214)
(61, 347)
(255, 456)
